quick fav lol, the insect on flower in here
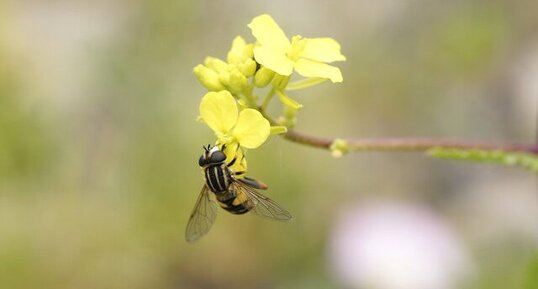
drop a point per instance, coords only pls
(235, 194)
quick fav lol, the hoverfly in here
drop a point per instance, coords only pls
(235, 195)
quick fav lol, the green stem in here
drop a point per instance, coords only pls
(305, 83)
(267, 99)
(251, 102)
(278, 84)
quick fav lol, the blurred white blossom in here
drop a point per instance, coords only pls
(396, 246)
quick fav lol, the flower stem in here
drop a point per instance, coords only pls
(249, 98)
(279, 83)
(393, 144)
(267, 99)
(406, 144)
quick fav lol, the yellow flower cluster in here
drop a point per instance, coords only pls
(231, 109)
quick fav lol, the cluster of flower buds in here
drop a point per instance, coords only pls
(217, 75)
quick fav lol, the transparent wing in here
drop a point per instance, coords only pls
(202, 216)
(263, 205)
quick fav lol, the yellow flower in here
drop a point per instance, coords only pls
(248, 128)
(307, 56)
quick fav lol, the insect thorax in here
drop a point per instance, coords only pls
(218, 177)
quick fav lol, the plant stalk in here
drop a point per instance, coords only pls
(406, 144)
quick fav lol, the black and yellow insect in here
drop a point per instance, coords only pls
(235, 195)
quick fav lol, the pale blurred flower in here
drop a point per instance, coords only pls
(395, 246)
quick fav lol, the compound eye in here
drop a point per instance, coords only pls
(202, 161)
(217, 157)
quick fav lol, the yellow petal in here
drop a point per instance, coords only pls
(309, 68)
(219, 111)
(252, 129)
(322, 50)
(268, 33)
(232, 150)
(277, 62)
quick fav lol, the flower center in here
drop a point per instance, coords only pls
(296, 48)
(225, 138)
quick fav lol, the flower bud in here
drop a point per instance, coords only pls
(263, 77)
(240, 51)
(248, 51)
(290, 116)
(247, 67)
(216, 64)
(208, 78)
(236, 82)
(339, 147)
(224, 78)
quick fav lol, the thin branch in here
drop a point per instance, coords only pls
(400, 144)
(405, 144)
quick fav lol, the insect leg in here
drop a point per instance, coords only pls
(253, 183)
(239, 173)
(232, 162)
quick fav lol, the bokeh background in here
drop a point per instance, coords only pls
(99, 148)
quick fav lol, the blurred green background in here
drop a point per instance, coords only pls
(99, 143)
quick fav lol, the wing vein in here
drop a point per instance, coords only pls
(202, 217)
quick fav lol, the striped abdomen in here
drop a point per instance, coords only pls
(235, 201)
(218, 178)
(234, 206)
